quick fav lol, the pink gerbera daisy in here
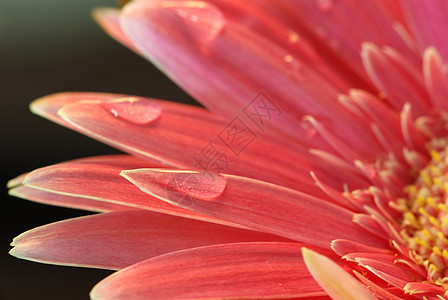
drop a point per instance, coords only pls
(317, 170)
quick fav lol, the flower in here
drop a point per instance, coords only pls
(326, 134)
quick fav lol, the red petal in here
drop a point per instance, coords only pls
(255, 204)
(340, 145)
(341, 26)
(344, 247)
(370, 224)
(246, 270)
(51, 198)
(190, 51)
(182, 135)
(380, 114)
(413, 138)
(268, 19)
(120, 239)
(427, 21)
(395, 80)
(48, 106)
(435, 73)
(107, 18)
(97, 179)
(413, 288)
(385, 267)
(378, 290)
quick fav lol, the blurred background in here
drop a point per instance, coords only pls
(50, 46)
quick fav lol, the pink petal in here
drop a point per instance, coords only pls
(344, 247)
(427, 21)
(413, 288)
(51, 198)
(415, 159)
(48, 106)
(182, 134)
(412, 136)
(256, 204)
(340, 27)
(392, 77)
(338, 284)
(382, 202)
(120, 239)
(370, 224)
(380, 114)
(97, 179)
(16, 181)
(268, 19)
(166, 35)
(436, 73)
(258, 16)
(336, 195)
(379, 290)
(385, 266)
(107, 18)
(340, 145)
(151, 26)
(246, 270)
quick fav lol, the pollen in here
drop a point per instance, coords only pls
(424, 225)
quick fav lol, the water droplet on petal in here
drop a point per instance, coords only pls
(185, 188)
(293, 37)
(308, 128)
(193, 18)
(324, 5)
(133, 109)
(179, 187)
(202, 21)
(288, 58)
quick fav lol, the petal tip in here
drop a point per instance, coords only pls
(37, 106)
(431, 53)
(198, 20)
(100, 14)
(13, 251)
(15, 181)
(333, 279)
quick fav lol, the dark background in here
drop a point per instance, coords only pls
(50, 46)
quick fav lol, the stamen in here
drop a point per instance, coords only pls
(425, 215)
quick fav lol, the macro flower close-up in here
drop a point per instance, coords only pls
(317, 166)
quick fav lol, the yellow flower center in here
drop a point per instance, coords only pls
(425, 217)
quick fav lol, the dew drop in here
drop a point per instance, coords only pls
(187, 187)
(179, 187)
(293, 37)
(193, 18)
(114, 112)
(288, 58)
(324, 5)
(308, 128)
(202, 22)
(133, 109)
